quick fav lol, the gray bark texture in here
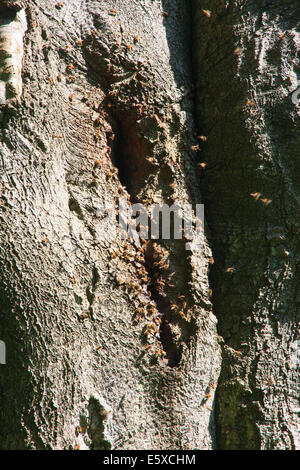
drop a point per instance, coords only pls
(160, 102)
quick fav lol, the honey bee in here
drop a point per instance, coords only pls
(113, 12)
(84, 315)
(202, 137)
(230, 270)
(238, 353)
(152, 309)
(138, 318)
(152, 161)
(153, 326)
(269, 382)
(237, 50)
(160, 283)
(207, 13)
(202, 165)
(266, 201)
(211, 260)
(255, 195)
(195, 148)
(160, 353)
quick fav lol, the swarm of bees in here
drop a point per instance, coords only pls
(180, 306)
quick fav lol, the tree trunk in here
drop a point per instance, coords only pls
(246, 65)
(115, 344)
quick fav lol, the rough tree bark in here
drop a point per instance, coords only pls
(112, 99)
(247, 62)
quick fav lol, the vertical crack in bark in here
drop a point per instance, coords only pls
(157, 263)
(134, 160)
(94, 425)
(142, 171)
